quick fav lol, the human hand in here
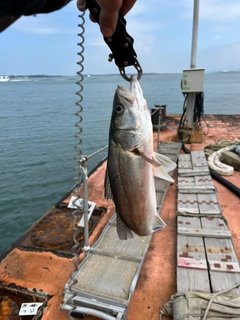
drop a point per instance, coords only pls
(109, 13)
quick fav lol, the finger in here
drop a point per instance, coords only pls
(108, 22)
(81, 4)
(109, 16)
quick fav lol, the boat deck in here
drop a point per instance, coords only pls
(42, 270)
(109, 293)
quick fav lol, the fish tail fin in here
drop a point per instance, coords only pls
(123, 231)
(167, 163)
(160, 172)
(159, 224)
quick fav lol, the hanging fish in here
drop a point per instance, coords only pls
(132, 164)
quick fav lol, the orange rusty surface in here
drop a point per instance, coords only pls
(157, 282)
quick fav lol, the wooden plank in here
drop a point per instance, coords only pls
(203, 180)
(195, 253)
(198, 159)
(184, 161)
(196, 171)
(221, 266)
(197, 189)
(208, 203)
(200, 264)
(200, 232)
(186, 181)
(191, 248)
(192, 164)
(187, 203)
(221, 250)
(193, 222)
(214, 223)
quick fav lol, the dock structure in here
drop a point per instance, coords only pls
(208, 273)
(106, 279)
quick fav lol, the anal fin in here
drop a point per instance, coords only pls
(123, 231)
(159, 224)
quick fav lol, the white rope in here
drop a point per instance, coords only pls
(167, 309)
(214, 296)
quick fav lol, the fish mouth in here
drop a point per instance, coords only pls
(125, 90)
(136, 91)
(125, 94)
(133, 83)
(134, 94)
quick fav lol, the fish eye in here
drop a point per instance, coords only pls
(119, 109)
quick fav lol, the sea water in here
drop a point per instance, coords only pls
(37, 128)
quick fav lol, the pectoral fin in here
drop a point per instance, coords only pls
(123, 231)
(142, 154)
(167, 163)
(159, 170)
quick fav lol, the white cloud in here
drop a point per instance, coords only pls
(217, 37)
(38, 25)
(221, 57)
(213, 10)
(138, 8)
(220, 10)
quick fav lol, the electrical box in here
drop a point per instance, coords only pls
(192, 80)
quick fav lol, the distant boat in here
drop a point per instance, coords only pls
(4, 78)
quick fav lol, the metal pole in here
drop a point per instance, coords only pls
(85, 207)
(195, 34)
(191, 96)
(159, 125)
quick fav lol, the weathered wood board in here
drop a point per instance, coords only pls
(192, 273)
(223, 265)
(198, 159)
(192, 164)
(203, 180)
(208, 204)
(206, 257)
(185, 161)
(187, 203)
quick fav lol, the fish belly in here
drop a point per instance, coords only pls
(132, 185)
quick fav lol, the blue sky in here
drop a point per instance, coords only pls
(162, 31)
